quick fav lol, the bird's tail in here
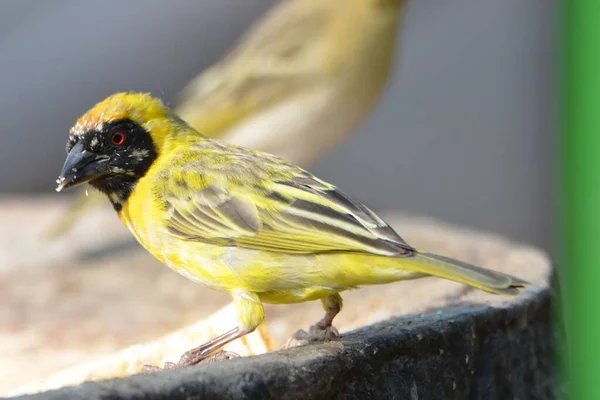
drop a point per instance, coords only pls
(459, 271)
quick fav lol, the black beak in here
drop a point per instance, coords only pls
(81, 166)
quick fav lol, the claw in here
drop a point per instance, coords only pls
(220, 356)
(316, 333)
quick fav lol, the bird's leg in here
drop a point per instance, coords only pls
(201, 353)
(322, 330)
(250, 314)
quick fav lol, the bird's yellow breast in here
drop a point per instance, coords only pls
(145, 216)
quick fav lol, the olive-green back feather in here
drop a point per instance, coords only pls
(237, 197)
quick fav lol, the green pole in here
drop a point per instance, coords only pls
(580, 203)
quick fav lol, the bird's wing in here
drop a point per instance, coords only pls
(279, 58)
(258, 204)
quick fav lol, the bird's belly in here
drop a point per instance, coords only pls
(276, 277)
(284, 278)
(238, 269)
(202, 264)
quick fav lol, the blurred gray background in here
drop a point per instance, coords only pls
(465, 132)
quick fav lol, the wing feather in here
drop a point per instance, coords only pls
(293, 213)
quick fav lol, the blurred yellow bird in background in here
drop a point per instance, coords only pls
(242, 221)
(301, 79)
(297, 84)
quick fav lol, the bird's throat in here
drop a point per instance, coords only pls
(116, 188)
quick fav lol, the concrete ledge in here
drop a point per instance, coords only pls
(451, 343)
(464, 351)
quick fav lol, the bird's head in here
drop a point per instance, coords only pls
(114, 144)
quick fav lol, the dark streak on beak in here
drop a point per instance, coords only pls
(80, 166)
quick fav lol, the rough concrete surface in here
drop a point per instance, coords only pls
(464, 352)
(94, 293)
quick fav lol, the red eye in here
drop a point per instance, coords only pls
(117, 138)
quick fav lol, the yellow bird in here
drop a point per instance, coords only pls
(298, 83)
(300, 80)
(242, 221)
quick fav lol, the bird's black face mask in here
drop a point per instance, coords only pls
(111, 159)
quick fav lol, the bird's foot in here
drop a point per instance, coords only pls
(316, 333)
(189, 358)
